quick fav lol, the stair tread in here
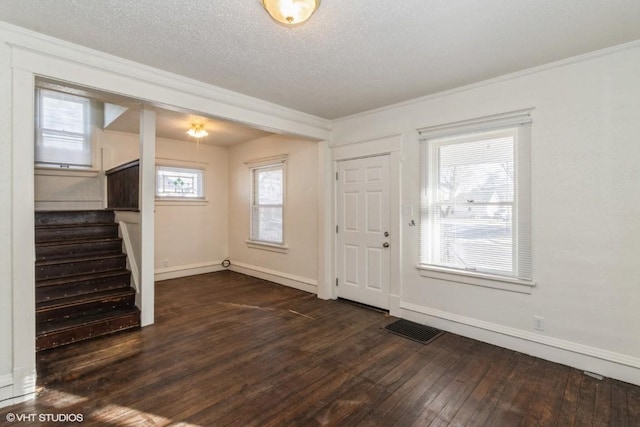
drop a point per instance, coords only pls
(55, 327)
(75, 225)
(81, 277)
(40, 263)
(68, 242)
(83, 298)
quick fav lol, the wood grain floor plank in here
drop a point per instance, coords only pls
(229, 349)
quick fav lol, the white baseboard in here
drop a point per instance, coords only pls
(6, 380)
(187, 270)
(604, 362)
(6, 398)
(286, 279)
(18, 387)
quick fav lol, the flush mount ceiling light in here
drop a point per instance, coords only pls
(290, 12)
(197, 131)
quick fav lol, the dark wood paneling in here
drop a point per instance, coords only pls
(123, 184)
(229, 349)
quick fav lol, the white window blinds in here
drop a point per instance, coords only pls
(62, 129)
(475, 211)
(267, 206)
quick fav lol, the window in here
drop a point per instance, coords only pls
(475, 215)
(183, 183)
(267, 204)
(62, 129)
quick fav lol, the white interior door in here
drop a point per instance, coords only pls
(363, 255)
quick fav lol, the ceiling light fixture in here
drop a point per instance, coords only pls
(290, 12)
(197, 130)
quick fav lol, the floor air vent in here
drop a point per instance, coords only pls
(414, 331)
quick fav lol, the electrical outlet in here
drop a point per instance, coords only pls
(538, 323)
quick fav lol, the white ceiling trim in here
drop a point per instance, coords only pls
(529, 71)
(29, 48)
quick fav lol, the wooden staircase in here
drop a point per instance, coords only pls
(82, 284)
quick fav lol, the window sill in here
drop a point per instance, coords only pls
(477, 279)
(57, 171)
(180, 202)
(268, 246)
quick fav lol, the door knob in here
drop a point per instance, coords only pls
(386, 234)
(385, 245)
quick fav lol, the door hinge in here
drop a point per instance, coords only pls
(336, 281)
(336, 229)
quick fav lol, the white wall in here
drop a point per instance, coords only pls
(6, 321)
(586, 212)
(191, 237)
(299, 266)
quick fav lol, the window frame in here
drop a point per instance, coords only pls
(86, 135)
(517, 124)
(255, 166)
(201, 174)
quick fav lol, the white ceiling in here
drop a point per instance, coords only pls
(174, 125)
(352, 56)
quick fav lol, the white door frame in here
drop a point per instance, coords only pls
(388, 145)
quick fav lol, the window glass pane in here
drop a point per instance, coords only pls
(269, 224)
(62, 114)
(62, 141)
(179, 182)
(269, 186)
(478, 171)
(473, 237)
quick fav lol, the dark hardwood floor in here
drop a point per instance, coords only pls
(229, 349)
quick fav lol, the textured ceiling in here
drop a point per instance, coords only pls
(352, 55)
(174, 125)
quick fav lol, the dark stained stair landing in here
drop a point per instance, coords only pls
(83, 288)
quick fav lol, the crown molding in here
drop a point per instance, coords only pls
(505, 77)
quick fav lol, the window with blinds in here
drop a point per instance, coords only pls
(267, 204)
(62, 130)
(475, 213)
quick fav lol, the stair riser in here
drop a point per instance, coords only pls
(44, 235)
(52, 252)
(82, 288)
(79, 267)
(73, 217)
(56, 339)
(85, 309)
